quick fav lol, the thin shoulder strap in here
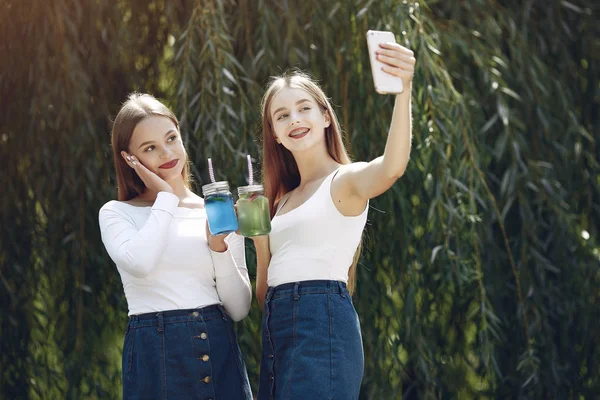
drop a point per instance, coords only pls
(282, 202)
(332, 176)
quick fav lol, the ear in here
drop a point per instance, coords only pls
(327, 119)
(277, 140)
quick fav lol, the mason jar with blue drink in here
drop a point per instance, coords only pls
(219, 208)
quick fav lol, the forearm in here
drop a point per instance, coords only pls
(398, 145)
(263, 258)
(235, 293)
(231, 277)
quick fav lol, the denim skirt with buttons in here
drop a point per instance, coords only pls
(183, 354)
(312, 346)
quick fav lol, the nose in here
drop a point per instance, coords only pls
(294, 120)
(165, 153)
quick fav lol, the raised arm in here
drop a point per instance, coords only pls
(137, 250)
(368, 180)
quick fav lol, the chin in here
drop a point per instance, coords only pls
(303, 147)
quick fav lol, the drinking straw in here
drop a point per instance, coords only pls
(250, 174)
(210, 171)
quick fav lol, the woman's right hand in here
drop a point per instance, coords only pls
(152, 181)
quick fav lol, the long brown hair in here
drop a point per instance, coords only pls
(280, 171)
(138, 107)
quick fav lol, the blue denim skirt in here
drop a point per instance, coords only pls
(183, 354)
(312, 347)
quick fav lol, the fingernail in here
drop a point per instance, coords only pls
(128, 158)
(134, 163)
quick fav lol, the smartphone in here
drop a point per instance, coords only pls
(384, 82)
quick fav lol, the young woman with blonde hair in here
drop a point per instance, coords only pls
(183, 285)
(312, 347)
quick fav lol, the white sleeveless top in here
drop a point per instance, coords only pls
(314, 241)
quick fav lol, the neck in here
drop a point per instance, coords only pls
(314, 164)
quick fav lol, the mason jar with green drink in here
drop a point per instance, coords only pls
(253, 214)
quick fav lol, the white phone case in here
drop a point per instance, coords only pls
(384, 82)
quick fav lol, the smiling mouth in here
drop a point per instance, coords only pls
(299, 133)
(169, 165)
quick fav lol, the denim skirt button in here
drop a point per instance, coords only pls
(203, 335)
(195, 314)
(207, 379)
(205, 358)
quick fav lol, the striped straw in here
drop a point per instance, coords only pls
(250, 174)
(210, 171)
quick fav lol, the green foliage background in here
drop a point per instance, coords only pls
(480, 273)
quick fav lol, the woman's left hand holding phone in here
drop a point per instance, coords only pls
(400, 61)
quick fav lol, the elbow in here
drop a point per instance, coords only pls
(399, 173)
(393, 171)
(137, 274)
(138, 269)
(393, 174)
(241, 312)
(238, 316)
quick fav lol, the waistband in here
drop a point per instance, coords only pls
(297, 289)
(162, 318)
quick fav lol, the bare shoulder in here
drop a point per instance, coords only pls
(352, 167)
(346, 174)
(343, 192)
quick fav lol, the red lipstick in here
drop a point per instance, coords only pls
(300, 136)
(169, 164)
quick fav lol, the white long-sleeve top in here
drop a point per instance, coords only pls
(164, 260)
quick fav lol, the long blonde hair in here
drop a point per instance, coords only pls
(280, 171)
(138, 107)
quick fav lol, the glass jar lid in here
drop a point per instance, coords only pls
(250, 189)
(216, 187)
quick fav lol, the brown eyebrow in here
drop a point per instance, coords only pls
(283, 108)
(152, 141)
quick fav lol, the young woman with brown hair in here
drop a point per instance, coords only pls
(183, 285)
(312, 347)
